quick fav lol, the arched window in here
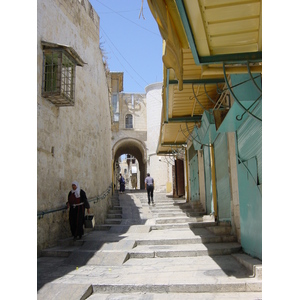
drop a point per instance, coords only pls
(128, 121)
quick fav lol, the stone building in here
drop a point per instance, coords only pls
(135, 133)
(129, 127)
(73, 115)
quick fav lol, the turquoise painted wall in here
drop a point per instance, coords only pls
(222, 178)
(249, 149)
(194, 179)
(250, 210)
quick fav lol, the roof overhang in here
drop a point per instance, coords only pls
(204, 42)
(75, 56)
(119, 77)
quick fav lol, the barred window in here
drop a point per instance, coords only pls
(115, 105)
(128, 121)
(59, 74)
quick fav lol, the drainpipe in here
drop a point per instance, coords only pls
(213, 179)
(187, 178)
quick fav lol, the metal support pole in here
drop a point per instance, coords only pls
(213, 179)
(187, 177)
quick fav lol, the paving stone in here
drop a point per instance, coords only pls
(140, 259)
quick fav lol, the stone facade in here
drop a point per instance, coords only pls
(131, 138)
(74, 142)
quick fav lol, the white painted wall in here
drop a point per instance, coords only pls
(158, 167)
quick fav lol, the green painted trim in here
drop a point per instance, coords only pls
(212, 59)
(172, 144)
(196, 118)
(232, 58)
(188, 29)
(199, 81)
(162, 153)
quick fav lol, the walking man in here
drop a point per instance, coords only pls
(149, 186)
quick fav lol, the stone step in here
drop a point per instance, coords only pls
(59, 251)
(166, 206)
(103, 227)
(102, 295)
(184, 250)
(220, 230)
(252, 264)
(118, 212)
(182, 225)
(183, 219)
(175, 214)
(156, 208)
(112, 221)
(189, 240)
(181, 288)
(117, 207)
(113, 216)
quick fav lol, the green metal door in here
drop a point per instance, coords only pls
(222, 178)
(194, 179)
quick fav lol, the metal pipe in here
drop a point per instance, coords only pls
(213, 180)
(187, 177)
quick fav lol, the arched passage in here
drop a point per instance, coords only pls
(133, 147)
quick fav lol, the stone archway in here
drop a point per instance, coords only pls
(137, 149)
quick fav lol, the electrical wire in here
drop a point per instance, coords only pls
(129, 19)
(125, 58)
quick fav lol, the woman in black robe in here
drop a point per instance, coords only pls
(77, 202)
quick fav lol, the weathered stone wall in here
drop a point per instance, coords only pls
(74, 143)
(139, 113)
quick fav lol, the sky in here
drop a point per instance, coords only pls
(131, 42)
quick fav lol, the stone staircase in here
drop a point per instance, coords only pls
(202, 236)
(113, 216)
(177, 251)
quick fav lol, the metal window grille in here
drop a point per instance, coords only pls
(128, 121)
(116, 108)
(58, 78)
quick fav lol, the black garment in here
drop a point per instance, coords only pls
(150, 193)
(76, 212)
(122, 184)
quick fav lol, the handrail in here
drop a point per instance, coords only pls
(94, 199)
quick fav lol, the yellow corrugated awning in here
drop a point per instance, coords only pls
(199, 36)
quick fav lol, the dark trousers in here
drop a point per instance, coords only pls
(76, 219)
(150, 192)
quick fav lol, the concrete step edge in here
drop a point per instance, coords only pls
(143, 253)
(252, 264)
(179, 288)
(201, 240)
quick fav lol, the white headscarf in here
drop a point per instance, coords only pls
(77, 191)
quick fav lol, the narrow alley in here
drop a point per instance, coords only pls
(165, 251)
